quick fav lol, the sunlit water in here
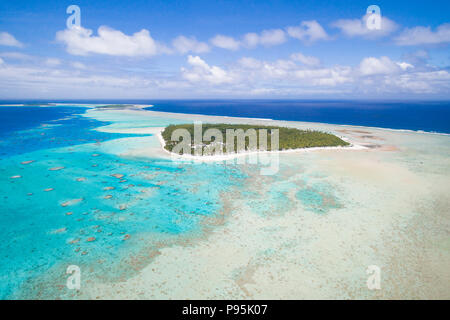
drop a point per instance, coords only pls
(140, 225)
(64, 201)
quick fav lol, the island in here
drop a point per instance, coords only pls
(122, 106)
(288, 138)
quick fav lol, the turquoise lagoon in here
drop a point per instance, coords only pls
(65, 200)
(73, 195)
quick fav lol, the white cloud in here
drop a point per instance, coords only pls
(405, 66)
(250, 76)
(78, 65)
(250, 63)
(326, 76)
(202, 72)
(33, 81)
(251, 40)
(272, 37)
(424, 36)
(266, 38)
(52, 62)
(225, 42)
(7, 39)
(184, 45)
(308, 31)
(279, 69)
(290, 77)
(306, 60)
(1, 61)
(16, 56)
(382, 66)
(80, 41)
(289, 73)
(373, 77)
(374, 66)
(419, 57)
(358, 27)
(429, 82)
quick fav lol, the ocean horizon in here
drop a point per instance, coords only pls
(416, 115)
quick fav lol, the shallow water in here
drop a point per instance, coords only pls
(181, 229)
(65, 205)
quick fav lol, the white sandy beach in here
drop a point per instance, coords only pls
(223, 157)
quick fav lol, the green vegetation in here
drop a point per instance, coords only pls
(115, 106)
(289, 138)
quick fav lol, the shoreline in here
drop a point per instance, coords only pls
(223, 157)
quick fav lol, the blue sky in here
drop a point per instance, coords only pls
(224, 49)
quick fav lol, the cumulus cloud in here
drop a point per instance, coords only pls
(7, 39)
(424, 36)
(250, 63)
(251, 40)
(52, 62)
(78, 65)
(306, 60)
(294, 76)
(405, 66)
(429, 82)
(272, 37)
(382, 66)
(291, 73)
(43, 81)
(225, 42)
(326, 76)
(266, 38)
(308, 31)
(418, 58)
(200, 71)
(184, 45)
(16, 55)
(80, 41)
(358, 27)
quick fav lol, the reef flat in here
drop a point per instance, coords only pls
(140, 224)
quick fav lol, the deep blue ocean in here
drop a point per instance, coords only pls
(426, 116)
(26, 129)
(431, 116)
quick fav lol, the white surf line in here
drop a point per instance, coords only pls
(304, 122)
(246, 153)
